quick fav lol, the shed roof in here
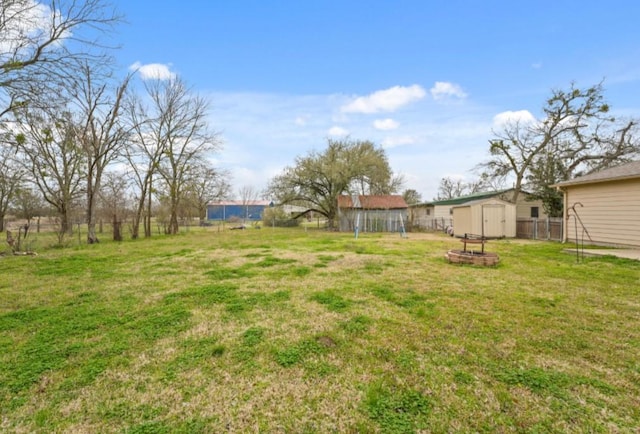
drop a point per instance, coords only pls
(624, 171)
(482, 201)
(464, 199)
(372, 202)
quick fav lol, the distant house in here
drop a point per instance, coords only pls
(438, 215)
(236, 210)
(382, 213)
(604, 207)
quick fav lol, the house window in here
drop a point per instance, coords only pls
(534, 212)
(428, 211)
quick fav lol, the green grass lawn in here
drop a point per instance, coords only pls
(287, 330)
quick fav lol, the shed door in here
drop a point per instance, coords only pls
(493, 220)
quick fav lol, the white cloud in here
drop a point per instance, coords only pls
(153, 71)
(301, 120)
(394, 142)
(442, 90)
(385, 124)
(520, 116)
(387, 100)
(338, 131)
(27, 21)
(432, 141)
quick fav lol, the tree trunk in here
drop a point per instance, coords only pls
(173, 224)
(147, 225)
(92, 237)
(135, 226)
(65, 225)
(202, 214)
(173, 217)
(117, 233)
(137, 218)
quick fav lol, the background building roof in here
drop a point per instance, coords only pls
(624, 171)
(464, 199)
(240, 202)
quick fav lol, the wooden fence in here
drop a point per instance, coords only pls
(540, 229)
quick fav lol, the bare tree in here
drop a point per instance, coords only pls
(11, 175)
(172, 137)
(53, 159)
(451, 188)
(577, 134)
(100, 132)
(143, 155)
(248, 196)
(206, 184)
(113, 198)
(28, 204)
(41, 43)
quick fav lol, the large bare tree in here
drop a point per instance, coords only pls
(41, 43)
(143, 155)
(172, 137)
(577, 134)
(100, 133)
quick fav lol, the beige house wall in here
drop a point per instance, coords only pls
(610, 212)
(523, 206)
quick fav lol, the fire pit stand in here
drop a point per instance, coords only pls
(469, 256)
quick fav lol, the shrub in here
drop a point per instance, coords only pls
(278, 217)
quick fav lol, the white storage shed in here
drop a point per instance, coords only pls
(491, 218)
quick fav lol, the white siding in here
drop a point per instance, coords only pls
(610, 212)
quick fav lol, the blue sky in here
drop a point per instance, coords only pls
(427, 80)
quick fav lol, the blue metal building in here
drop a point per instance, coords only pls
(236, 209)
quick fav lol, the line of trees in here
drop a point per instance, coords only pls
(74, 137)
